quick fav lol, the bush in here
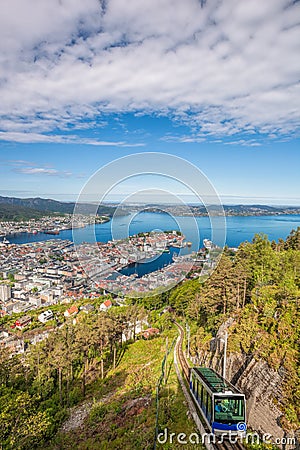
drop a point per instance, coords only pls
(75, 396)
(97, 413)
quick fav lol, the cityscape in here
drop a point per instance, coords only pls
(149, 225)
(43, 274)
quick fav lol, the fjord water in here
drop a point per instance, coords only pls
(238, 228)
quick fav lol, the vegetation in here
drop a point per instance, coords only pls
(38, 207)
(259, 288)
(87, 363)
(55, 373)
(123, 409)
(10, 213)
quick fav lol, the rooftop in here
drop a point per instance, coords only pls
(214, 381)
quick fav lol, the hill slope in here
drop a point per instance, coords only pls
(19, 213)
(48, 205)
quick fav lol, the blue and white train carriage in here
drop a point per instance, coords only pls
(221, 404)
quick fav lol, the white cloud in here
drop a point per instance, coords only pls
(223, 68)
(30, 168)
(37, 171)
(60, 139)
(184, 138)
(244, 143)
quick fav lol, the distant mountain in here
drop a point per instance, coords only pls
(13, 208)
(48, 205)
(260, 209)
(230, 210)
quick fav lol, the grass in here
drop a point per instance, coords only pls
(124, 407)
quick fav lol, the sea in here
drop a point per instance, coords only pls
(237, 229)
(232, 232)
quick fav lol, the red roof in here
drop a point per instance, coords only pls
(150, 332)
(73, 310)
(107, 303)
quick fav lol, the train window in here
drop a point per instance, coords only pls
(229, 409)
(201, 395)
(204, 400)
(194, 384)
(209, 408)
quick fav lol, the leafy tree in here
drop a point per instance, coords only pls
(293, 240)
(21, 424)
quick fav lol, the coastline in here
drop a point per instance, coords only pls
(239, 228)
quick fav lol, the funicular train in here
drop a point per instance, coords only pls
(222, 405)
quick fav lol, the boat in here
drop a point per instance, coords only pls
(29, 231)
(179, 245)
(55, 232)
(207, 244)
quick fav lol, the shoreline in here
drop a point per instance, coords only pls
(238, 228)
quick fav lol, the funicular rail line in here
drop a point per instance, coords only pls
(181, 356)
(226, 444)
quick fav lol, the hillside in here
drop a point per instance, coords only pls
(253, 294)
(229, 210)
(106, 396)
(12, 208)
(48, 205)
(19, 213)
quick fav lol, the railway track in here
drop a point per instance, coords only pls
(181, 356)
(226, 444)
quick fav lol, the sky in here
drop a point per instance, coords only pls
(216, 82)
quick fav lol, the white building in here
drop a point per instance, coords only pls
(45, 316)
(106, 305)
(5, 292)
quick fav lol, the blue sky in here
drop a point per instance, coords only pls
(215, 82)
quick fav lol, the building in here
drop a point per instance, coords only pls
(150, 332)
(23, 322)
(87, 308)
(8, 307)
(3, 336)
(5, 292)
(71, 311)
(45, 316)
(106, 305)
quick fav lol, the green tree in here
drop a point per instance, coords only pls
(21, 424)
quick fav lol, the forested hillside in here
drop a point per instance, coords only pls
(48, 206)
(19, 213)
(258, 287)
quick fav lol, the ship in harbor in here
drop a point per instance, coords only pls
(54, 232)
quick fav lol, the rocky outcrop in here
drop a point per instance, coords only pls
(262, 387)
(260, 383)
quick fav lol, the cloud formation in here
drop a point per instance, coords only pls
(24, 137)
(221, 66)
(38, 171)
(30, 168)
